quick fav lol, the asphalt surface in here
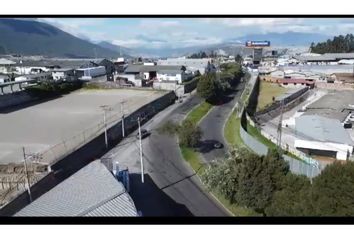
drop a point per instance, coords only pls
(213, 123)
(170, 186)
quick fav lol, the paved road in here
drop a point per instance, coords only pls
(171, 187)
(213, 126)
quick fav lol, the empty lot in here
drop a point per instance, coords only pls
(43, 125)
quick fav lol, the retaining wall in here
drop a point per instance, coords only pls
(13, 99)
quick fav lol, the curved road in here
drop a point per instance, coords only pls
(171, 187)
(213, 126)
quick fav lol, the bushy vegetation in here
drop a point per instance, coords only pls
(264, 184)
(339, 44)
(212, 86)
(53, 89)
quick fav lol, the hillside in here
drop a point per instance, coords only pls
(28, 37)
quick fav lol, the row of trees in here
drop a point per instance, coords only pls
(264, 184)
(202, 54)
(339, 44)
(212, 86)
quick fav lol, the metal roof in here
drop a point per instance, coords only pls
(92, 191)
(4, 61)
(318, 128)
(136, 68)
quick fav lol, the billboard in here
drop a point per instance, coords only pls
(258, 44)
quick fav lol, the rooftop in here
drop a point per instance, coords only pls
(4, 61)
(335, 105)
(92, 191)
(136, 68)
(319, 128)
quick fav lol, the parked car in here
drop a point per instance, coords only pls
(144, 134)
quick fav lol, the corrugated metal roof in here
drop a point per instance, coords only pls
(135, 68)
(4, 61)
(322, 129)
(92, 191)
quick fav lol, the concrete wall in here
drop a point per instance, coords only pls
(10, 100)
(290, 102)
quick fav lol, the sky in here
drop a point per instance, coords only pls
(187, 32)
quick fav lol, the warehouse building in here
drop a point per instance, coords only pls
(321, 136)
(93, 192)
(202, 65)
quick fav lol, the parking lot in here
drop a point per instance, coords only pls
(42, 125)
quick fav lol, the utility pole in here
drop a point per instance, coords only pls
(141, 153)
(105, 109)
(26, 172)
(122, 111)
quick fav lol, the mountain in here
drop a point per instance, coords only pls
(122, 51)
(30, 37)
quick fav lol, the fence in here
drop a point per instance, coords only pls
(113, 122)
(309, 167)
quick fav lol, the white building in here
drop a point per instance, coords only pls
(90, 72)
(321, 136)
(192, 64)
(64, 74)
(6, 65)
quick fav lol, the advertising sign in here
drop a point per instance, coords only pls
(258, 44)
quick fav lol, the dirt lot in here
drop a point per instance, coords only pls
(43, 125)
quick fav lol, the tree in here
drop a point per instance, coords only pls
(238, 59)
(333, 191)
(207, 87)
(293, 199)
(189, 133)
(247, 179)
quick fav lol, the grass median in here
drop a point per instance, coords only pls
(232, 131)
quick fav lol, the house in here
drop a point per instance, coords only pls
(150, 73)
(6, 66)
(64, 74)
(89, 73)
(322, 136)
(92, 192)
(4, 78)
(202, 65)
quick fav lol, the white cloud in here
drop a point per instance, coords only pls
(155, 24)
(75, 26)
(258, 22)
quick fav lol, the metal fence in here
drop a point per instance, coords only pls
(308, 167)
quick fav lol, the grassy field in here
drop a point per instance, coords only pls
(266, 93)
(199, 112)
(232, 131)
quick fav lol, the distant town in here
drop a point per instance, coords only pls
(258, 130)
